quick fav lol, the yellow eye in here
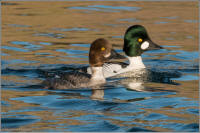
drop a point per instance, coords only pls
(140, 40)
(102, 49)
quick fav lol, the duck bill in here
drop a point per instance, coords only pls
(115, 55)
(153, 46)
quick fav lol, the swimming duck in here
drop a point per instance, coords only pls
(136, 41)
(100, 52)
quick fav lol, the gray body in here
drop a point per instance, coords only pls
(68, 80)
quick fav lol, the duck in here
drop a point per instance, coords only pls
(136, 41)
(100, 52)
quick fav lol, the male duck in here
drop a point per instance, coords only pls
(136, 41)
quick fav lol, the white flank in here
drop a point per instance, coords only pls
(109, 70)
(145, 45)
(135, 63)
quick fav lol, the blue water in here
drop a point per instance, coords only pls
(105, 8)
(125, 105)
(71, 29)
(53, 35)
(130, 20)
(166, 102)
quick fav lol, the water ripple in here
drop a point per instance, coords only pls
(71, 29)
(106, 8)
(53, 35)
(14, 49)
(26, 45)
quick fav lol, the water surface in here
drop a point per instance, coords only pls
(40, 39)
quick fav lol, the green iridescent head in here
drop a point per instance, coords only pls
(136, 41)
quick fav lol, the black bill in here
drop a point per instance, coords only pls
(153, 46)
(115, 55)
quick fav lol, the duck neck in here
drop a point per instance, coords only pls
(136, 62)
(97, 74)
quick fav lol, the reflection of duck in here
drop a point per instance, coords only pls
(100, 51)
(136, 41)
(97, 93)
(137, 82)
(134, 85)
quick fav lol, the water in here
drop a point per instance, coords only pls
(52, 38)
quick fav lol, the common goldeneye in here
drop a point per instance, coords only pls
(100, 52)
(136, 41)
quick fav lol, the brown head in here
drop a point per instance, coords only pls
(100, 51)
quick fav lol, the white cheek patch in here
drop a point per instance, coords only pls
(107, 55)
(145, 45)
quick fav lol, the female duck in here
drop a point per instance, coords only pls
(100, 51)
